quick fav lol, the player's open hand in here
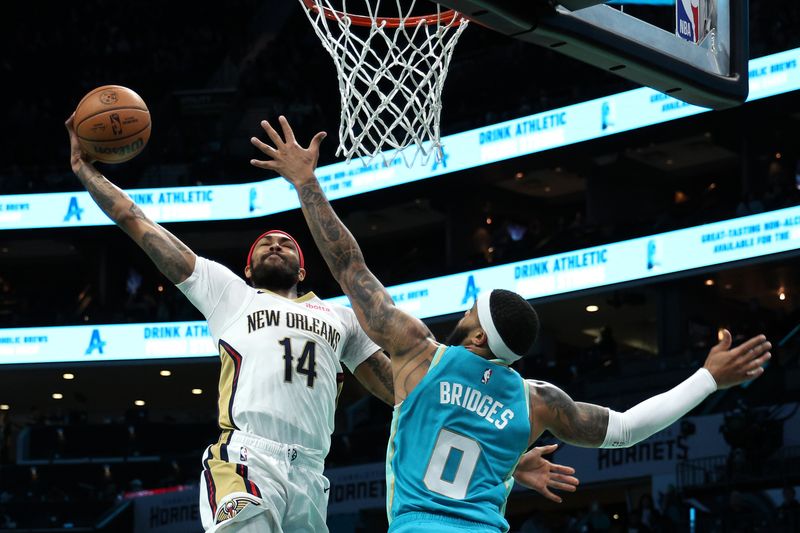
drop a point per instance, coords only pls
(539, 474)
(731, 366)
(288, 158)
(77, 156)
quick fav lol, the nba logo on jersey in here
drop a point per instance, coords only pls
(690, 18)
(486, 375)
(243, 454)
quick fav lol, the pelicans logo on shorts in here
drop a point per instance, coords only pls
(233, 507)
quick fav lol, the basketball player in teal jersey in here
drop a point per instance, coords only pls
(463, 419)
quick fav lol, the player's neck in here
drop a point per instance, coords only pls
(479, 351)
(290, 292)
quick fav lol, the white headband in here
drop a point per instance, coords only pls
(496, 343)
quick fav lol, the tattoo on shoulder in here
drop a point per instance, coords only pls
(414, 370)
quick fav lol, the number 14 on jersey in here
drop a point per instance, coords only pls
(305, 364)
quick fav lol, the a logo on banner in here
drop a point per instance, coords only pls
(471, 293)
(73, 210)
(443, 160)
(253, 196)
(95, 343)
(652, 254)
(606, 115)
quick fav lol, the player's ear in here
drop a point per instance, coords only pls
(301, 274)
(479, 338)
(248, 273)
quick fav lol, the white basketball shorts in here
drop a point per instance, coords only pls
(252, 484)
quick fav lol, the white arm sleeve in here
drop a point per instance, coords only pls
(656, 413)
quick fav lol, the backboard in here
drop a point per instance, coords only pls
(703, 63)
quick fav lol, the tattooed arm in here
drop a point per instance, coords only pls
(581, 424)
(402, 335)
(590, 425)
(375, 374)
(169, 254)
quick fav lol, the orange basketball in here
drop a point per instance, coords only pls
(112, 123)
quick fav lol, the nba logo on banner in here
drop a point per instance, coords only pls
(690, 16)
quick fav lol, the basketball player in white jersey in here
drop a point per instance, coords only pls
(281, 368)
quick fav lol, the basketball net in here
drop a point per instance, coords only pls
(391, 73)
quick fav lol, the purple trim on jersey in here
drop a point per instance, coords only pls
(249, 485)
(237, 366)
(211, 488)
(223, 448)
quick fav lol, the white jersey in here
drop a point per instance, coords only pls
(281, 358)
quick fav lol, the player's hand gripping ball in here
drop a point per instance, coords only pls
(112, 124)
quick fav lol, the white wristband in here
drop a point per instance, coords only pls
(656, 413)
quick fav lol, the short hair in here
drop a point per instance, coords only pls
(515, 319)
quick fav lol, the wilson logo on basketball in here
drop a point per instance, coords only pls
(131, 148)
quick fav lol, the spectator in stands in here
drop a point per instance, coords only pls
(595, 520)
(743, 513)
(533, 524)
(6, 439)
(173, 475)
(789, 512)
(645, 518)
(606, 351)
(6, 522)
(672, 509)
(750, 205)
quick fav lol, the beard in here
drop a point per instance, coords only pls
(457, 336)
(273, 277)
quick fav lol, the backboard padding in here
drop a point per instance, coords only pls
(710, 74)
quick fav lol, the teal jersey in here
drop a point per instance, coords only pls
(457, 439)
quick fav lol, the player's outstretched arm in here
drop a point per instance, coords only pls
(169, 254)
(593, 426)
(392, 329)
